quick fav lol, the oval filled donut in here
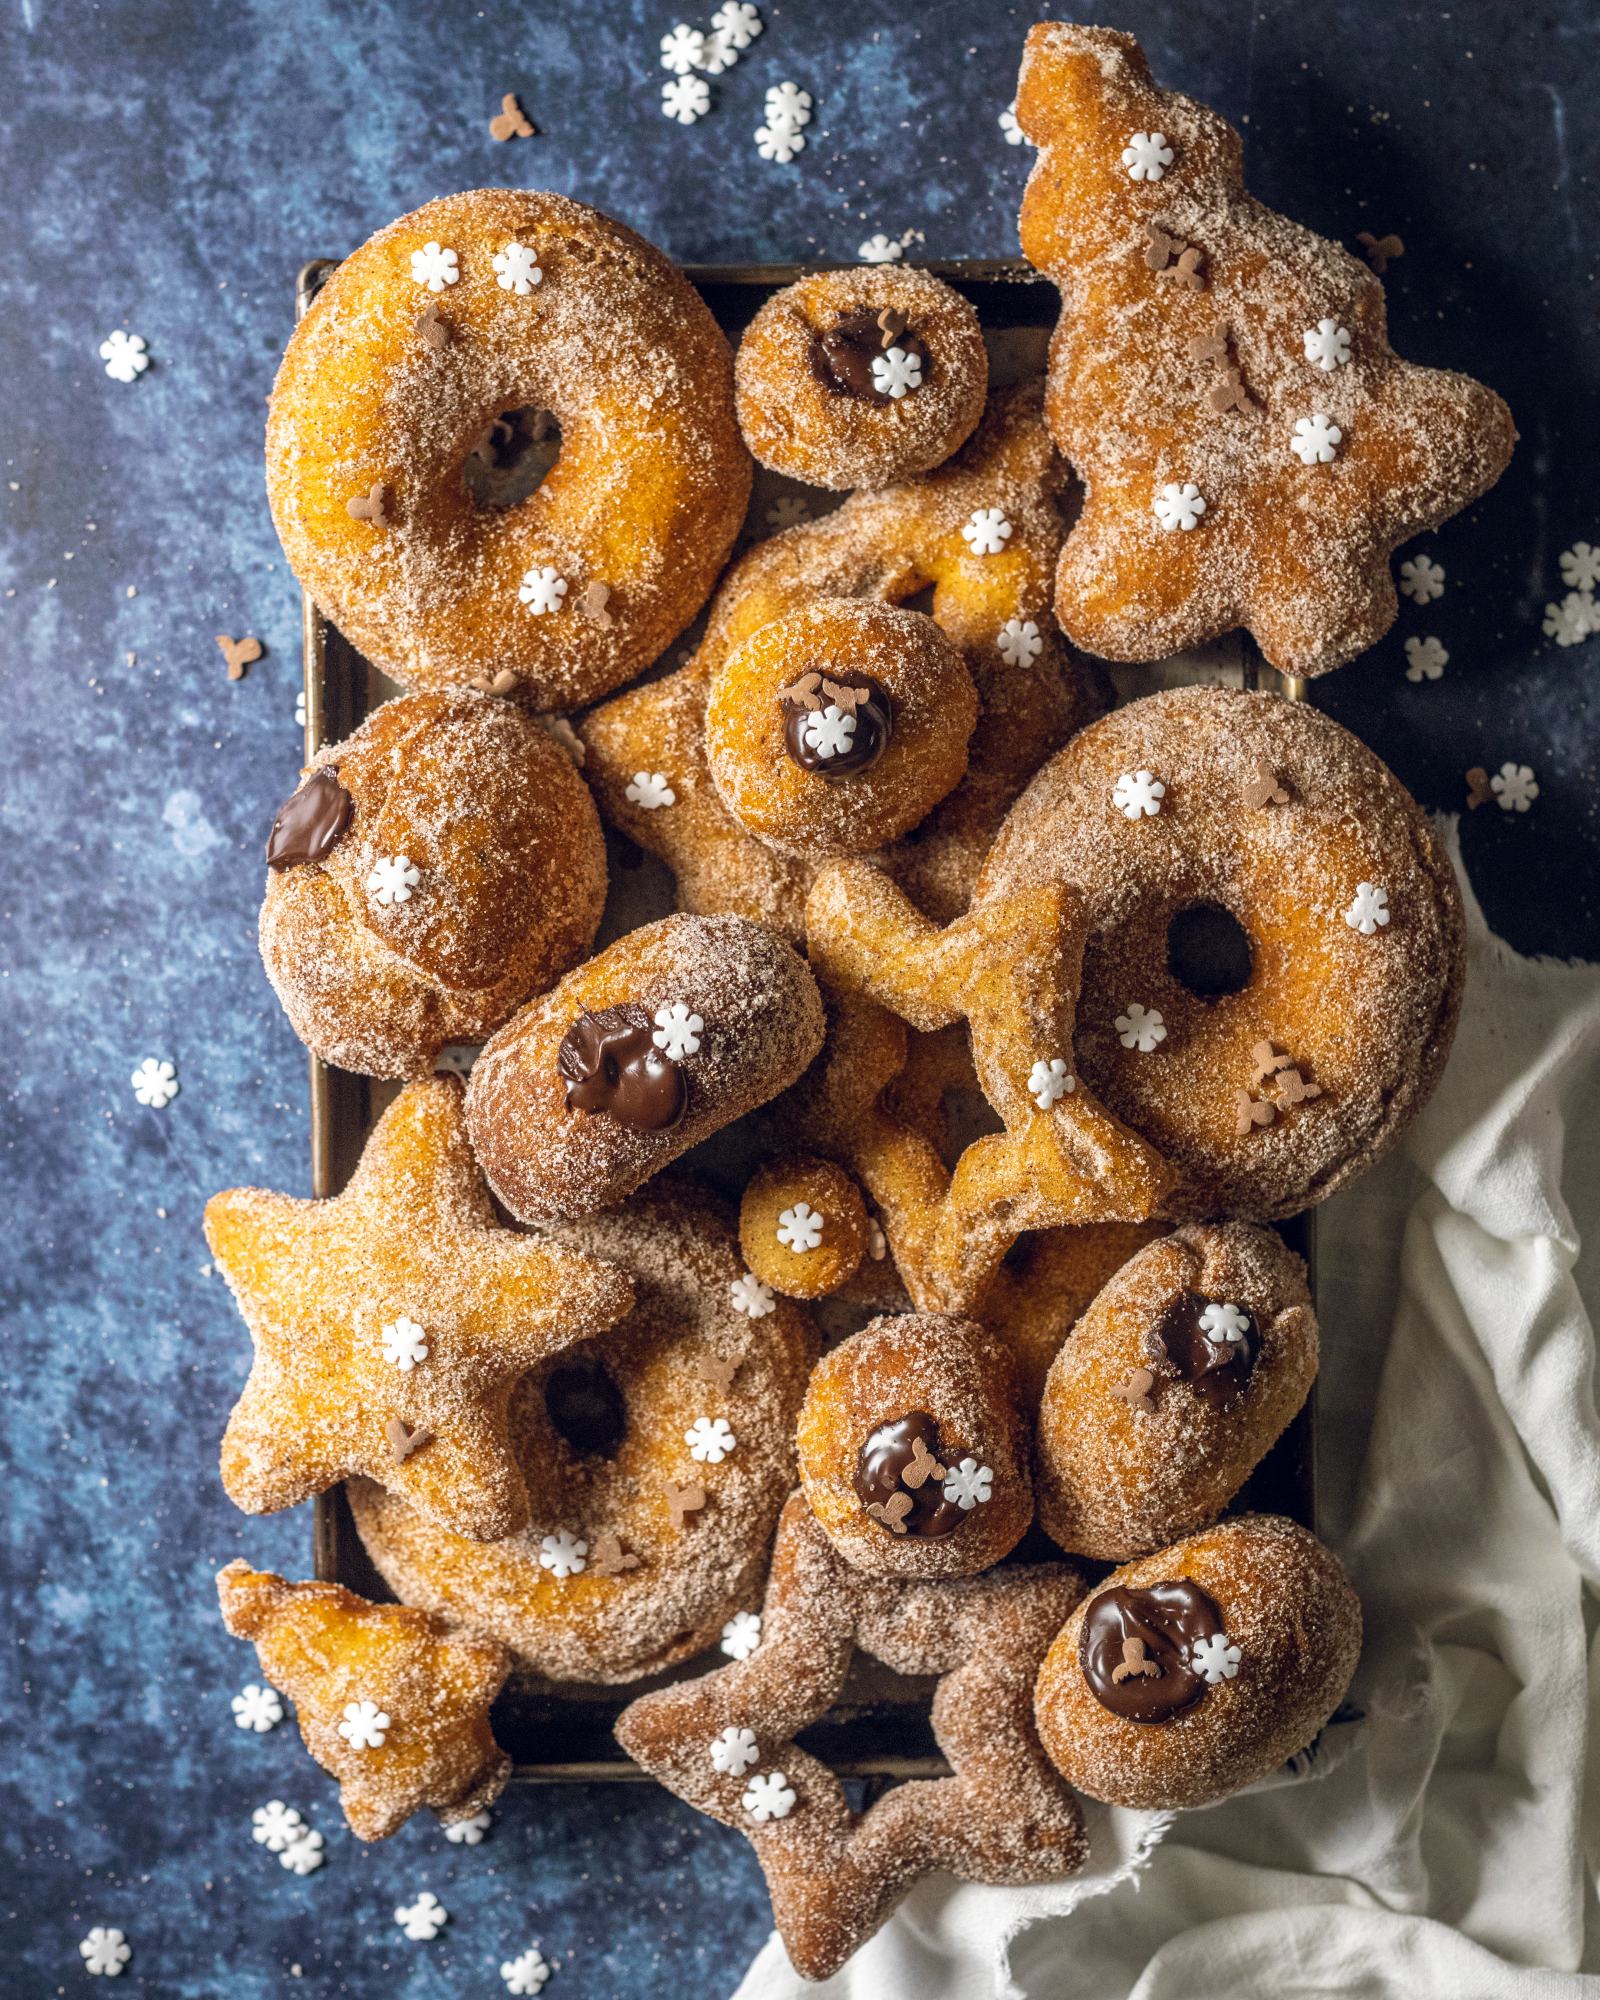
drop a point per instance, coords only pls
(657, 1462)
(1275, 948)
(432, 870)
(477, 306)
(1195, 1671)
(861, 377)
(1172, 1388)
(671, 1033)
(913, 1453)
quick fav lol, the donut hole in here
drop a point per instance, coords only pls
(1208, 951)
(585, 1406)
(513, 458)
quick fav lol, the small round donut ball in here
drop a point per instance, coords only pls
(860, 377)
(1195, 1671)
(803, 1226)
(913, 1453)
(838, 728)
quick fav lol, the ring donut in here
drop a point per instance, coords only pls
(477, 306)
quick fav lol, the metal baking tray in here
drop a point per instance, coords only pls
(880, 1731)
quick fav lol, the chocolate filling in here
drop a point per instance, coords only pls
(1218, 1369)
(1135, 1648)
(882, 1481)
(874, 724)
(308, 826)
(842, 354)
(611, 1064)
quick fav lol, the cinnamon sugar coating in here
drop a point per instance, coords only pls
(328, 1650)
(1362, 1016)
(954, 1373)
(1285, 1603)
(1296, 552)
(340, 1295)
(804, 380)
(760, 1025)
(646, 497)
(1046, 1282)
(802, 1262)
(507, 843)
(1123, 1473)
(834, 1876)
(886, 546)
(671, 1580)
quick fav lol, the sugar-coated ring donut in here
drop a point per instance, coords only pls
(644, 1544)
(1294, 1057)
(860, 377)
(477, 305)
(433, 870)
(803, 1226)
(1278, 1633)
(913, 1453)
(839, 727)
(1173, 1387)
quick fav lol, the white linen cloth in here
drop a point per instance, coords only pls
(1444, 1845)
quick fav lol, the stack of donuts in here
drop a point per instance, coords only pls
(873, 1248)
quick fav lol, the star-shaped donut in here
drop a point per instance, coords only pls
(1010, 969)
(888, 545)
(390, 1324)
(1251, 447)
(389, 1701)
(725, 1743)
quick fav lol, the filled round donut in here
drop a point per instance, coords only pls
(657, 1461)
(839, 727)
(1275, 944)
(861, 377)
(803, 1226)
(511, 309)
(431, 872)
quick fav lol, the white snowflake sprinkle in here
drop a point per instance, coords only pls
(1020, 642)
(880, 249)
(365, 1726)
(734, 1751)
(105, 1951)
(739, 21)
(1315, 440)
(896, 373)
(1141, 1028)
(1421, 580)
(303, 1855)
(300, 710)
(1370, 909)
(1049, 1082)
(1223, 1320)
(650, 791)
(257, 1709)
(788, 511)
(563, 1554)
(768, 1797)
(741, 1635)
(710, 1440)
(986, 531)
(968, 1485)
(686, 98)
(1571, 621)
(541, 589)
(155, 1083)
(1138, 794)
(683, 49)
(777, 142)
(276, 1824)
(677, 1032)
(828, 732)
(1514, 787)
(1147, 156)
(126, 360)
(434, 267)
(527, 1972)
(404, 1343)
(788, 107)
(1214, 1659)
(392, 879)
(1178, 506)
(718, 55)
(1010, 127)
(1426, 659)
(422, 1920)
(468, 1832)
(800, 1228)
(1328, 344)
(751, 1297)
(516, 269)
(1580, 567)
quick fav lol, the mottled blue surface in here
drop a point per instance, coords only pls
(166, 168)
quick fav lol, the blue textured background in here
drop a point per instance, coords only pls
(166, 168)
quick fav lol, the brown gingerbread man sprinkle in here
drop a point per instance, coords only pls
(1135, 1663)
(511, 121)
(609, 1558)
(370, 506)
(682, 1501)
(1160, 248)
(239, 653)
(1188, 270)
(1229, 394)
(1135, 1392)
(433, 329)
(403, 1441)
(803, 693)
(1266, 1060)
(1380, 251)
(891, 1512)
(1479, 792)
(715, 1372)
(1295, 1089)
(891, 324)
(1265, 789)
(1250, 1112)
(923, 1467)
(1212, 346)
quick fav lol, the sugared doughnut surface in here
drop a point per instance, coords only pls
(861, 377)
(376, 970)
(476, 306)
(1295, 1055)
